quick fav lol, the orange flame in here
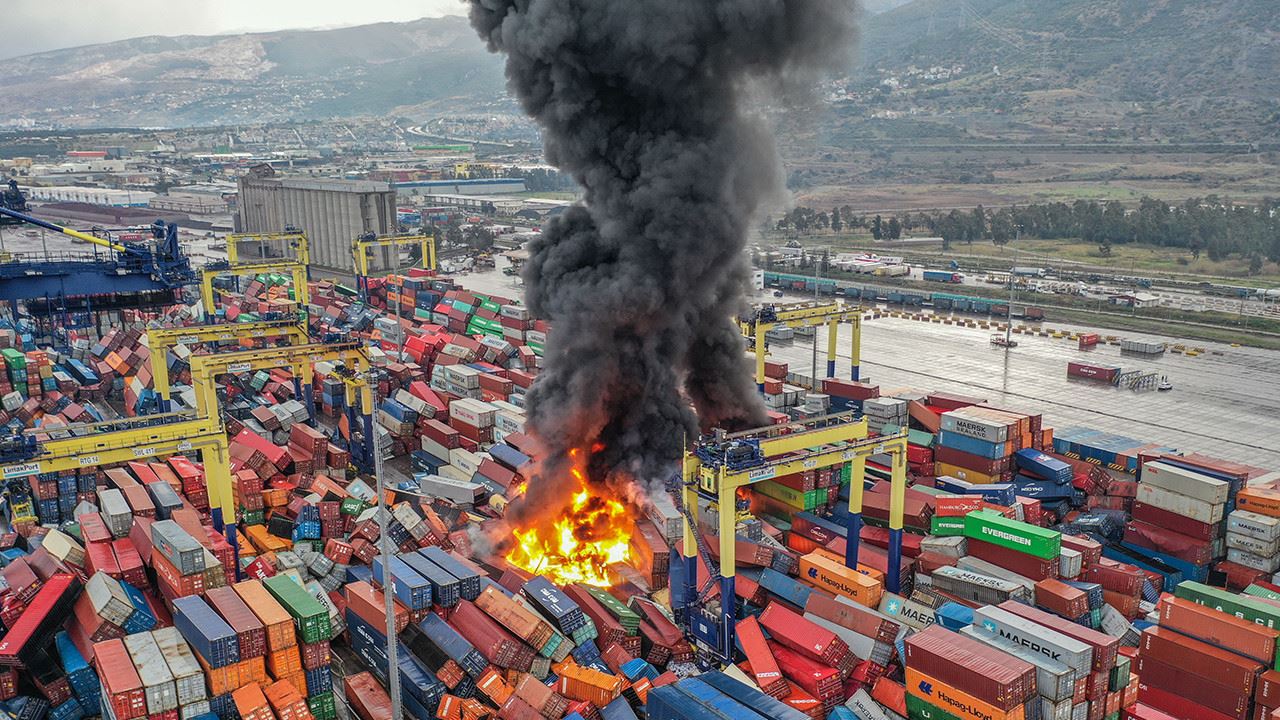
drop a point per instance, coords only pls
(590, 534)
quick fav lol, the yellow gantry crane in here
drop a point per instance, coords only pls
(726, 462)
(296, 267)
(362, 246)
(764, 318)
(162, 340)
(108, 443)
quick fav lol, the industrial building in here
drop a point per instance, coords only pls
(331, 212)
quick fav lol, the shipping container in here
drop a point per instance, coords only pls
(1037, 638)
(209, 635)
(988, 674)
(1104, 373)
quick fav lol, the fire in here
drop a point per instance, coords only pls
(589, 534)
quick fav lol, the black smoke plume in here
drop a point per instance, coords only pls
(648, 103)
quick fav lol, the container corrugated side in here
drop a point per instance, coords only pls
(187, 676)
(980, 670)
(1055, 680)
(157, 681)
(1037, 638)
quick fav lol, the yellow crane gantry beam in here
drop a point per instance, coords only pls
(362, 245)
(296, 271)
(296, 267)
(161, 340)
(810, 314)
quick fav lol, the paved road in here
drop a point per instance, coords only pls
(1224, 404)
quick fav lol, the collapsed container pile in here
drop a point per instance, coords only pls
(1067, 574)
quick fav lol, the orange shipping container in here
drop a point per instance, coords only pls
(275, 619)
(251, 703)
(823, 573)
(579, 683)
(284, 663)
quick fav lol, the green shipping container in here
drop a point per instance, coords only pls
(491, 306)
(921, 709)
(946, 526)
(14, 359)
(323, 706)
(352, 506)
(1262, 592)
(796, 499)
(1020, 536)
(623, 614)
(311, 617)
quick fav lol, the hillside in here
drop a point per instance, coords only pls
(288, 75)
(1113, 70)
(1122, 69)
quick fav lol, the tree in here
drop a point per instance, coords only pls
(895, 228)
(1104, 248)
(1002, 228)
(822, 221)
(824, 262)
(478, 237)
(977, 225)
(877, 228)
(836, 223)
(1255, 264)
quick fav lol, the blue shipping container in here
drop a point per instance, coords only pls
(208, 634)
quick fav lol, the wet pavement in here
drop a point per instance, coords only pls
(1225, 402)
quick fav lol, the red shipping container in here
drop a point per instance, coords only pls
(956, 505)
(1124, 579)
(1219, 628)
(792, 630)
(1212, 664)
(1183, 547)
(816, 678)
(1058, 597)
(251, 636)
(1028, 566)
(121, 685)
(1189, 687)
(1177, 523)
(129, 561)
(1090, 550)
(763, 665)
(986, 673)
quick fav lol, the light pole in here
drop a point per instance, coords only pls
(384, 550)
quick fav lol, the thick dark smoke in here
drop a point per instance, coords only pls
(648, 104)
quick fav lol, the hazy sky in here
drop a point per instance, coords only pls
(37, 25)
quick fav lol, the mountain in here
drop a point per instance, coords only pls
(1195, 69)
(258, 77)
(1022, 69)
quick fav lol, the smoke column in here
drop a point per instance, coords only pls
(645, 103)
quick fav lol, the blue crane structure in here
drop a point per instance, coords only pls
(111, 273)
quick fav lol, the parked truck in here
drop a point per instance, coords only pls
(945, 276)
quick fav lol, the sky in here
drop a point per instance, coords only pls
(33, 26)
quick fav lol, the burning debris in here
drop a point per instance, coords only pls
(647, 105)
(589, 534)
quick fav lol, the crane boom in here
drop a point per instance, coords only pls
(65, 231)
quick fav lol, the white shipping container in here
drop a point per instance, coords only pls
(108, 599)
(1254, 525)
(1070, 563)
(1185, 482)
(453, 472)
(116, 512)
(157, 681)
(508, 421)
(515, 312)
(63, 547)
(465, 460)
(952, 546)
(434, 449)
(458, 492)
(188, 677)
(1055, 680)
(1180, 504)
(475, 413)
(974, 426)
(1035, 637)
(1257, 562)
(1261, 548)
(535, 337)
